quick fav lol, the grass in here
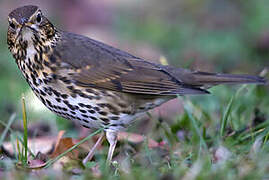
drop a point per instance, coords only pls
(248, 148)
(25, 132)
(7, 127)
(222, 147)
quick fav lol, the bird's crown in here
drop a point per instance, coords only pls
(23, 14)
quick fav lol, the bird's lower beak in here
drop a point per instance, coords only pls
(26, 32)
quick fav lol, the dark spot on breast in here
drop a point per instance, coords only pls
(64, 109)
(35, 73)
(73, 95)
(60, 108)
(85, 126)
(119, 125)
(93, 118)
(43, 100)
(84, 115)
(56, 93)
(86, 121)
(70, 87)
(45, 81)
(45, 74)
(91, 111)
(81, 104)
(71, 107)
(65, 80)
(89, 91)
(82, 111)
(82, 95)
(66, 102)
(47, 91)
(58, 99)
(42, 93)
(103, 113)
(48, 103)
(35, 58)
(76, 91)
(96, 108)
(105, 119)
(114, 117)
(65, 96)
(46, 63)
(54, 76)
(88, 106)
(126, 112)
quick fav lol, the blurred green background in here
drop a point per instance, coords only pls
(230, 36)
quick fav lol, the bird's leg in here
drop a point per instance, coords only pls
(111, 137)
(91, 153)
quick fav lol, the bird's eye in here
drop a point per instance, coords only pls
(12, 25)
(38, 18)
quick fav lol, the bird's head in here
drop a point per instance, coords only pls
(27, 24)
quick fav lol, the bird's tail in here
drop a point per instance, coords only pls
(204, 78)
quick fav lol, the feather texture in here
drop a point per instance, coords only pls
(101, 66)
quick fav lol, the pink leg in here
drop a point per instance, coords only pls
(91, 153)
(111, 137)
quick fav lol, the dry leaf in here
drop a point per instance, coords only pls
(63, 145)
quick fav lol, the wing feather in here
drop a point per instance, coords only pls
(101, 66)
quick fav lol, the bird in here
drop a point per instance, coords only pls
(95, 84)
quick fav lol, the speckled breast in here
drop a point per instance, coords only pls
(92, 108)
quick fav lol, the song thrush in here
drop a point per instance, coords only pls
(95, 84)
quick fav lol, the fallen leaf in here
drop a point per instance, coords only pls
(63, 145)
(59, 137)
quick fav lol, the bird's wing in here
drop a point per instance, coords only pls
(101, 66)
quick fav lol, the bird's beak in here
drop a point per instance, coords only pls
(25, 27)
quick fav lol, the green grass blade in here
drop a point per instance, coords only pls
(25, 134)
(188, 110)
(10, 121)
(265, 139)
(226, 116)
(20, 139)
(19, 149)
(228, 110)
(13, 142)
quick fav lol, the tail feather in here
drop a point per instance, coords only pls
(204, 78)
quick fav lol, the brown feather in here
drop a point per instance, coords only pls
(101, 66)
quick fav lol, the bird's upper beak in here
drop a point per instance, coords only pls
(26, 31)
